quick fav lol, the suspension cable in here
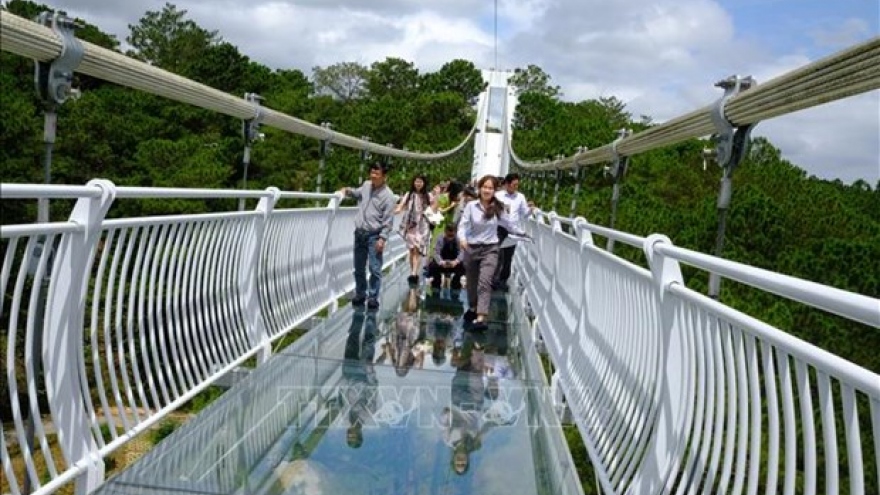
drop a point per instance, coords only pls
(852, 71)
(29, 39)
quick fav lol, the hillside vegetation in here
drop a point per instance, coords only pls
(780, 219)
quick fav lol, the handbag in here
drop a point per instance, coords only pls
(433, 217)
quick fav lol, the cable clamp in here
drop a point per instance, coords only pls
(54, 80)
(730, 141)
(365, 153)
(251, 126)
(619, 164)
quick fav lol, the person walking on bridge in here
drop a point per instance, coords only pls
(517, 209)
(372, 227)
(414, 227)
(478, 237)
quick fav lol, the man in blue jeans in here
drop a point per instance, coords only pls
(372, 226)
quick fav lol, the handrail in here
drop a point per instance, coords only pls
(618, 235)
(847, 73)
(34, 191)
(182, 193)
(178, 301)
(29, 39)
(850, 305)
(37, 191)
(672, 390)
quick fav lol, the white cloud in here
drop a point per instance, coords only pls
(835, 140)
(662, 57)
(849, 32)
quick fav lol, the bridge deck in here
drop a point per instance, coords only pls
(377, 402)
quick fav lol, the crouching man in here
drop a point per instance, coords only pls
(447, 260)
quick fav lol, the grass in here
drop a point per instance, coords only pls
(116, 462)
(575, 446)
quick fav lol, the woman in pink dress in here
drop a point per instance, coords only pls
(414, 227)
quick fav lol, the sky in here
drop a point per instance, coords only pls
(661, 57)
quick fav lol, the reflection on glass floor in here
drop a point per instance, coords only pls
(403, 400)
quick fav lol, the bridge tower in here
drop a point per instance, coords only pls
(495, 110)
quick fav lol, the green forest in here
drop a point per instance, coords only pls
(780, 218)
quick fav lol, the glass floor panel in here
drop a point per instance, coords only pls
(403, 400)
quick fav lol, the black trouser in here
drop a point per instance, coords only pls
(482, 262)
(435, 272)
(505, 259)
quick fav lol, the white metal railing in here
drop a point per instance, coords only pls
(671, 390)
(675, 392)
(121, 321)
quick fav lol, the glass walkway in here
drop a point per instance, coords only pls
(403, 400)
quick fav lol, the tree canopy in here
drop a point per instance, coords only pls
(780, 219)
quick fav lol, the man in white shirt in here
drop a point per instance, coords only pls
(517, 209)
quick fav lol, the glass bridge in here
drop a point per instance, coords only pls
(672, 390)
(406, 399)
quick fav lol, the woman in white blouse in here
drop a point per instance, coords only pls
(478, 236)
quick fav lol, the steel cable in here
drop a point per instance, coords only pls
(850, 72)
(29, 39)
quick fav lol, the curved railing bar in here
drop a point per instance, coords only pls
(673, 391)
(179, 254)
(29, 39)
(847, 73)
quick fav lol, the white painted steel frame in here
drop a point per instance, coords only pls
(142, 314)
(675, 392)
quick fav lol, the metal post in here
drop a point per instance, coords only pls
(325, 150)
(63, 354)
(577, 191)
(365, 157)
(255, 325)
(543, 186)
(50, 123)
(405, 163)
(618, 171)
(556, 189)
(54, 85)
(731, 146)
(250, 133)
(387, 158)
